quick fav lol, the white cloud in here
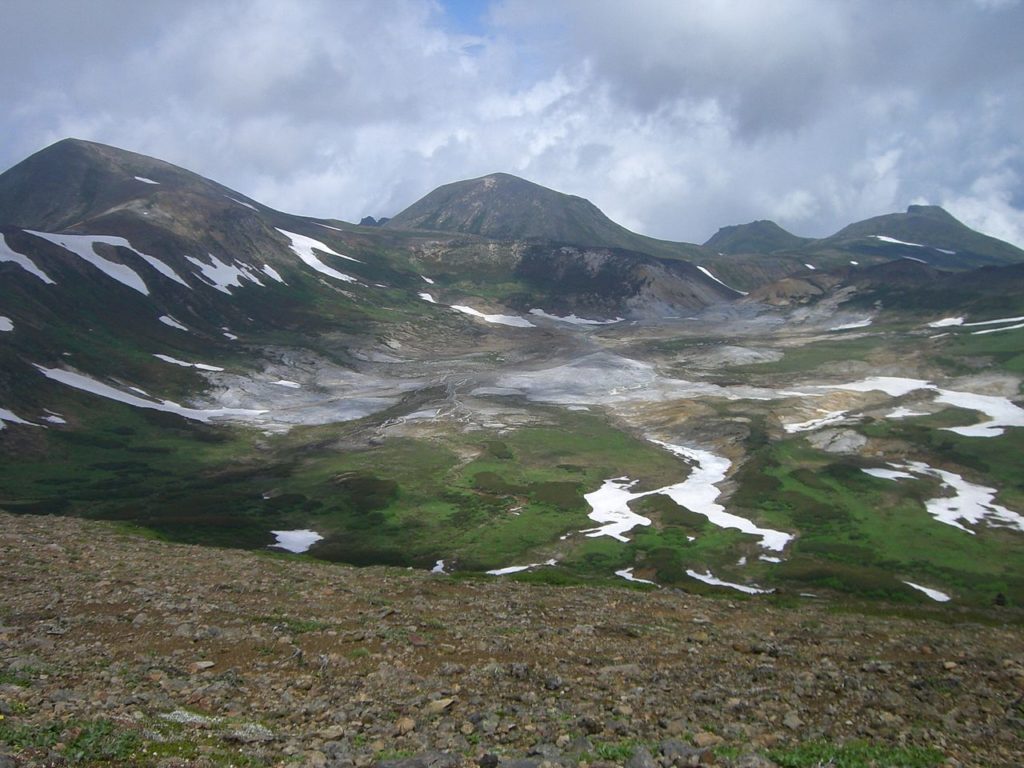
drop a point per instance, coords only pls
(674, 116)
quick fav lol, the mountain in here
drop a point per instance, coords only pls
(924, 232)
(177, 356)
(505, 207)
(756, 237)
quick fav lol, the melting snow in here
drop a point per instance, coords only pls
(609, 506)
(627, 574)
(168, 320)
(6, 254)
(971, 503)
(286, 383)
(512, 320)
(438, 567)
(427, 280)
(707, 578)
(1000, 321)
(830, 417)
(303, 247)
(946, 322)
(769, 559)
(242, 202)
(273, 274)
(855, 324)
(573, 319)
(54, 418)
(520, 568)
(6, 324)
(296, 541)
(810, 266)
(887, 474)
(175, 361)
(904, 413)
(708, 273)
(83, 247)
(225, 276)
(1001, 413)
(144, 180)
(934, 594)
(427, 297)
(894, 386)
(997, 330)
(698, 493)
(10, 416)
(86, 384)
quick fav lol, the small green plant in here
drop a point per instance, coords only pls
(855, 754)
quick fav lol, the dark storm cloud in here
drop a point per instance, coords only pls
(675, 117)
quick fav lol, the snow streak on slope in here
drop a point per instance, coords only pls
(303, 247)
(83, 246)
(86, 384)
(6, 254)
(706, 272)
(225, 276)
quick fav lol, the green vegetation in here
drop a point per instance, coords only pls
(857, 754)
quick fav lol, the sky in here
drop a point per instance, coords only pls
(675, 117)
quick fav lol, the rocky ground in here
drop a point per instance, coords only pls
(115, 649)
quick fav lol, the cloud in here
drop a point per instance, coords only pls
(674, 116)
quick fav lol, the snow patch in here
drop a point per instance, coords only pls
(426, 280)
(144, 180)
(86, 384)
(303, 247)
(286, 383)
(5, 324)
(997, 330)
(273, 274)
(427, 297)
(904, 413)
(854, 324)
(175, 361)
(573, 319)
(946, 322)
(83, 246)
(6, 254)
(830, 417)
(811, 267)
(520, 568)
(934, 594)
(708, 578)
(242, 202)
(8, 416)
(708, 273)
(627, 574)
(296, 541)
(168, 320)
(511, 320)
(223, 276)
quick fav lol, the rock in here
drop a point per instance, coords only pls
(251, 733)
(705, 739)
(678, 753)
(792, 721)
(753, 761)
(200, 666)
(488, 760)
(641, 758)
(405, 725)
(6, 761)
(423, 760)
(437, 706)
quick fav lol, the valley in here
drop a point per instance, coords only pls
(483, 401)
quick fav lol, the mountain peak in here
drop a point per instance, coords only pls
(762, 236)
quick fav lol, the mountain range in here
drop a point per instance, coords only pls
(501, 379)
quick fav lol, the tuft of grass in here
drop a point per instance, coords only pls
(855, 754)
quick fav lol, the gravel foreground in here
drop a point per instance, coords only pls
(120, 650)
